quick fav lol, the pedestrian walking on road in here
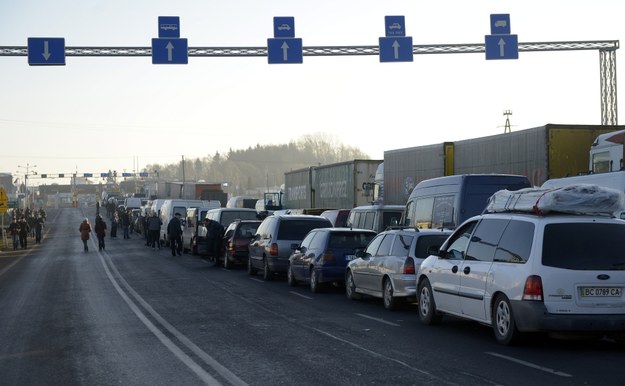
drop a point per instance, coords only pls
(100, 231)
(153, 230)
(38, 228)
(174, 230)
(14, 231)
(24, 231)
(85, 230)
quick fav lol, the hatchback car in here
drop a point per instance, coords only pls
(387, 267)
(524, 272)
(276, 238)
(236, 241)
(323, 255)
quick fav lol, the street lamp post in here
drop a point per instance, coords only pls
(26, 174)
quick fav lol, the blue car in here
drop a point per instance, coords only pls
(323, 255)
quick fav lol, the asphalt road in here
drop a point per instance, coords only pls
(131, 315)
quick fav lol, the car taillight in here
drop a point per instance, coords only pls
(232, 247)
(409, 266)
(273, 251)
(533, 289)
(327, 257)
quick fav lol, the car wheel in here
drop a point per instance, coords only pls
(250, 268)
(503, 321)
(350, 287)
(290, 278)
(315, 286)
(427, 306)
(266, 270)
(390, 302)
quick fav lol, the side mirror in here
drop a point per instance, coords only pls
(434, 250)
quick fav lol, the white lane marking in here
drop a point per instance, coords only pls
(382, 356)
(529, 364)
(184, 358)
(300, 295)
(379, 320)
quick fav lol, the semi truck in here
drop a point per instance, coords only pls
(607, 152)
(540, 153)
(342, 185)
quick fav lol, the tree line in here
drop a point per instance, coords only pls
(260, 168)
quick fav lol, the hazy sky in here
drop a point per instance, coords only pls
(101, 113)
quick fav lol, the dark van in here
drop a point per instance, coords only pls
(446, 202)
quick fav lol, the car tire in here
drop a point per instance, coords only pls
(290, 277)
(427, 306)
(250, 267)
(350, 287)
(266, 271)
(315, 286)
(390, 303)
(504, 325)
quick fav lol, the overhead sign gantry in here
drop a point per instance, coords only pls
(169, 48)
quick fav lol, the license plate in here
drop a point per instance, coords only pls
(590, 292)
(350, 257)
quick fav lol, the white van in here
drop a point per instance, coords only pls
(225, 216)
(172, 206)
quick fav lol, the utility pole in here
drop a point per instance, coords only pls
(507, 114)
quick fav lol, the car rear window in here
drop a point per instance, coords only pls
(426, 241)
(584, 246)
(297, 229)
(351, 240)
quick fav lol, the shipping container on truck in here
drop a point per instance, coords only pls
(341, 185)
(344, 185)
(540, 153)
(297, 189)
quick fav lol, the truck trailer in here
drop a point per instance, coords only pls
(342, 185)
(540, 153)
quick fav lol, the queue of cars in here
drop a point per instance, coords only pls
(528, 261)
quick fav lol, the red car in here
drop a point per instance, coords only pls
(237, 238)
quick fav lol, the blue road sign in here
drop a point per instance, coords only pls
(500, 24)
(170, 51)
(285, 50)
(168, 27)
(46, 51)
(502, 47)
(104, 175)
(395, 26)
(143, 174)
(396, 49)
(127, 174)
(283, 27)
(87, 175)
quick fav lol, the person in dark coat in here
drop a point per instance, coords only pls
(214, 235)
(114, 224)
(174, 230)
(24, 231)
(38, 228)
(14, 231)
(153, 229)
(100, 231)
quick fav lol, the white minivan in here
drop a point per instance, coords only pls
(522, 267)
(172, 206)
